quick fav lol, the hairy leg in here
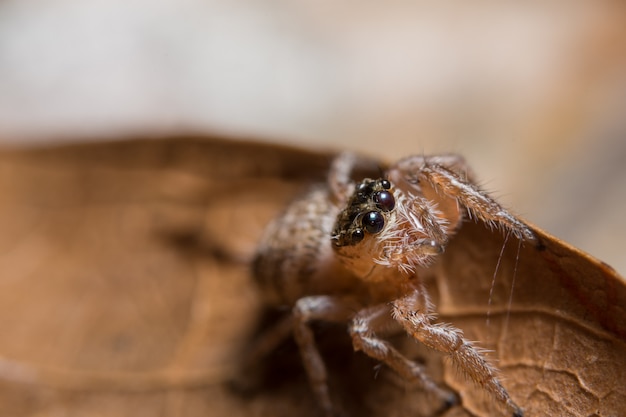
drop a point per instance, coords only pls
(321, 308)
(343, 167)
(339, 180)
(413, 313)
(476, 201)
(363, 331)
(450, 175)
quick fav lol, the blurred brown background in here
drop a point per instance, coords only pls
(533, 94)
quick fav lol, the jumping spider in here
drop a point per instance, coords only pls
(348, 252)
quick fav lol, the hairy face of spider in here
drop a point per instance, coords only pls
(366, 212)
(381, 225)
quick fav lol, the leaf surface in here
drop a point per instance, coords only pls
(125, 290)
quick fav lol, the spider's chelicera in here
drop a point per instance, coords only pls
(349, 253)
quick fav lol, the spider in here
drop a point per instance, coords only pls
(348, 252)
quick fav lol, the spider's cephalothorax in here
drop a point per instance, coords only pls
(383, 224)
(349, 252)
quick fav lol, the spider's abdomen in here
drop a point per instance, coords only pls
(295, 257)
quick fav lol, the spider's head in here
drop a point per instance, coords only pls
(381, 225)
(366, 212)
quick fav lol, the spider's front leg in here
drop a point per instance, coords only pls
(450, 176)
(340, 174)
(413, 313)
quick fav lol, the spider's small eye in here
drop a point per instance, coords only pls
(385, 184)
(384, 200)
(357, 236)
(373, 222)
(365, 188)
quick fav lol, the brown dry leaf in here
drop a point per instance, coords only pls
(125, 291)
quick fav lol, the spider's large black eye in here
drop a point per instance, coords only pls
(373, 222)
(384, 200)
(357, 236)
(385, 184)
